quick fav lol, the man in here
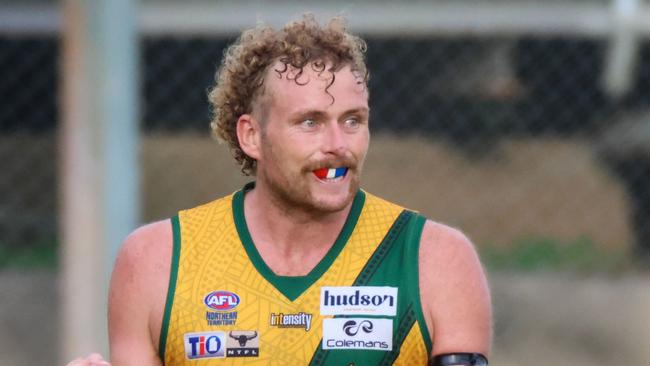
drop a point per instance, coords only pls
(300, 267)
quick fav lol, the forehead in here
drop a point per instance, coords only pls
(315, 88)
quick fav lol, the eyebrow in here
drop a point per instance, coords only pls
(307, 112)
(361, 110)
(319, 113)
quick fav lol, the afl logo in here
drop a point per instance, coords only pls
(221, 300)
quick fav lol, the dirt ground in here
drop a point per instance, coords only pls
(522, 189)
(540, 320)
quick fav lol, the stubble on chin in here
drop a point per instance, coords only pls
(299, 197)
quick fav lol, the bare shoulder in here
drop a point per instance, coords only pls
(443, 247)
(149, 245)
(454, 291)
(145, 257)
(138, 291)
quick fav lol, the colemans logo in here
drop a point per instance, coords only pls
(221, 300)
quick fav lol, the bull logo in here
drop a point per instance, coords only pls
(242, 338)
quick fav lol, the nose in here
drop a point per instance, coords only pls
(335, 139)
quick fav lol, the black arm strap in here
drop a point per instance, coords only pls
(459, 359)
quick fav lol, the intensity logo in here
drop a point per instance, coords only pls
(298, 320)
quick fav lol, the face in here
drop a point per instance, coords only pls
(313, 141)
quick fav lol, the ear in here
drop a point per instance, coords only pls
(249, 134)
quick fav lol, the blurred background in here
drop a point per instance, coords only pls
(525, 123)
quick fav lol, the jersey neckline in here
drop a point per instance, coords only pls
(293, 286)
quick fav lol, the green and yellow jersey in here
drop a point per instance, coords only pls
(360, 305)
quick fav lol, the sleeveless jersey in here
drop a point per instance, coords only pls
(360, 305)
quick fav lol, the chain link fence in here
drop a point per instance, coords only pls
(513, 138)
(28, 118)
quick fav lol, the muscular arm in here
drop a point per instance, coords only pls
(137, 295)
(454, 292)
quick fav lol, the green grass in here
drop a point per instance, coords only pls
(540, 254)
(29, 256)
(528, 254)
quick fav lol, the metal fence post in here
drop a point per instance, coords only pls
(98, 147)
(623, 53)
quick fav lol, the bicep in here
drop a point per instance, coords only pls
(129, 307)
(454, 290)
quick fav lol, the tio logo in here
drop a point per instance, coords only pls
(205, 345)
(221, 300)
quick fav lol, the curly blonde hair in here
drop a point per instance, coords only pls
(240, 77)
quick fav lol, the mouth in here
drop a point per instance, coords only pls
(331, 174)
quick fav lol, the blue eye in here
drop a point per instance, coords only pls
(309, 123)
(352, 122)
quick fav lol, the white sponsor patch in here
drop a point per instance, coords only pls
(361, 300)
(358, 333)
(205, 345)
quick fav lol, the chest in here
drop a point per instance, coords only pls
(358, 305)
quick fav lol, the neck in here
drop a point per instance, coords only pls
(291, 240)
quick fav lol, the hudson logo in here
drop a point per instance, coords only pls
(244, 343)
(205, 345)
(298, 320)
(221, 300)
(358, 333)
(363, 300)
